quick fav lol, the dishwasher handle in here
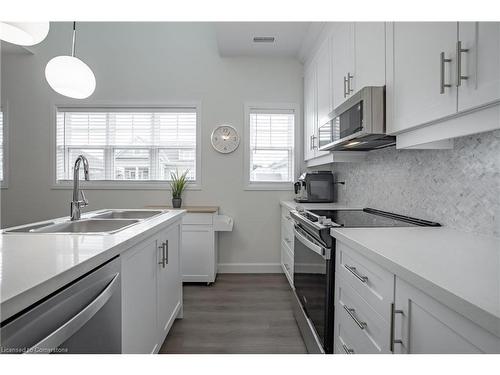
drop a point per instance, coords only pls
(68, 329)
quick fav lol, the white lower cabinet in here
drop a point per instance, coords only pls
(151, 291)
(424, 325)
(370, 300)
(287, 244)
(199, 248)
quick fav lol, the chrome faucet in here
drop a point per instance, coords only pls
(76, 203)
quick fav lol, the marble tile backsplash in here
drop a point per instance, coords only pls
(458, 188)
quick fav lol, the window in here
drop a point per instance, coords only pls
(128, 145)
(270, 146)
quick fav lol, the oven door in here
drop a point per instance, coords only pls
(313, 282)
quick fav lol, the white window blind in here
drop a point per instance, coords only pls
(1, 146)
(127, 144)
(271, 145)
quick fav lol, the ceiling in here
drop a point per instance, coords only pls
(235, 39)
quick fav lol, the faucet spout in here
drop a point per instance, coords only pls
(77, 203)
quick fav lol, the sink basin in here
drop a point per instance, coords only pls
(127, 214)
(87, 226)
(28, 228)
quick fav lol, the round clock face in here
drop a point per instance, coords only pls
(225, 139)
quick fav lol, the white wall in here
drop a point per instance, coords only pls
(149, 63)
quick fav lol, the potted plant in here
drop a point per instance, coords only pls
(178, 184)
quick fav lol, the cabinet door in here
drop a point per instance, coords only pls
(369, 56)
(169, 279)
(416, 81)
(139, 333)
(324, 88)
(427, 326)
(198, 258)
(342, 60)
(480, 64)
(310, 110)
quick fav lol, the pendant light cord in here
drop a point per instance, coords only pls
(74, 38)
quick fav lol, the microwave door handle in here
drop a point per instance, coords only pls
(68, 329)
(310, 245)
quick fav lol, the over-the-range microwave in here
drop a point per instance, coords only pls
(358, 124)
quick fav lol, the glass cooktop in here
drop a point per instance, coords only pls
(369, 217)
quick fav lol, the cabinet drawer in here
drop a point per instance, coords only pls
(287, 262)
(287, 234)
(357, 324)
(373, 283)
(197, 218)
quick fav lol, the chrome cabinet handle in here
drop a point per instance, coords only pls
(162, 248)
(393, 318)
(442, 83)
(353, 270)
(165, 251)
(345, 87)
(349, 89)
(352, 314)
(347, 350)
(313, 142)
(460, 50)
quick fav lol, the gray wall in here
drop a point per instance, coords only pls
(459, 188)
(149, 63)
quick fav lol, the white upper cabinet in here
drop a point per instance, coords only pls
(309, 110)
(342, 61)
(369, 54)
(422, 88)
(324, 88)
(479, 63)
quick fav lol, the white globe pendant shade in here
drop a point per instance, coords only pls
(24, 33)
(70, 76)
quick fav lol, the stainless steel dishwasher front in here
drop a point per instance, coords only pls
(82, 317)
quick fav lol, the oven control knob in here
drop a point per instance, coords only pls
(321, 219)
(328, 222)
(299, 209)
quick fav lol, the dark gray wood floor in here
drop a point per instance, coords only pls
(239, 313)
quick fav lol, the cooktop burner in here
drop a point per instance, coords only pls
(367, 217)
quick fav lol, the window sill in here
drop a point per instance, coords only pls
(121, 185)
(288, 186)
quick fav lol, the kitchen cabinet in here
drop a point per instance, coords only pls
(169, 281)
(342, 41)
(310, 111)
(151, 292)
(379, 312)
(424, 325)
(428, 104)
(287, 239)
(199, 247)
(323, 90)
(369, 54)
(479, 64)
(423, 62)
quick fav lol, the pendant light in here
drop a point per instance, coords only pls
(23, 33)
(70, 76)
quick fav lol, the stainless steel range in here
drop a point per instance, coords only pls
(314, 265)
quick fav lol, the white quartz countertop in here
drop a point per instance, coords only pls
(461, 270)
(318, 206)
(35, 265)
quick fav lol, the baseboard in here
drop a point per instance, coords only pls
(249, 268)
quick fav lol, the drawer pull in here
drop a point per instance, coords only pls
(353, 270)
(352, 314)
(347, 350)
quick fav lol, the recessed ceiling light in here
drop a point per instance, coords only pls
(263, 39)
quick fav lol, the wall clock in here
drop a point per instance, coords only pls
(225, 139)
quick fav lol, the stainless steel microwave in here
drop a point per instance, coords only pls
(358, 124)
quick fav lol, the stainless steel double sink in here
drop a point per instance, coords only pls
(102, 222)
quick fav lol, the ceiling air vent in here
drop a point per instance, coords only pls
(263, 39)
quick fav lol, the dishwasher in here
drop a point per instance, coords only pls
(81, 317)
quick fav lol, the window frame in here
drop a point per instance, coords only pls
(250, 107)
(124, 184)
(4, 108)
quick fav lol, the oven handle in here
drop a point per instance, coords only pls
(325, 253)
(69, 328)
